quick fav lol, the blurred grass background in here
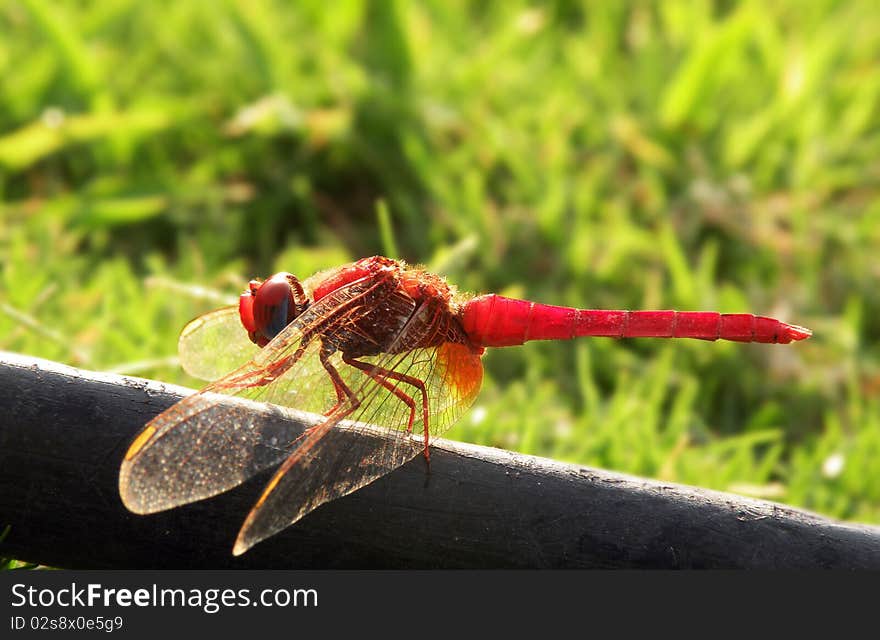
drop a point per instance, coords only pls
(693, 155)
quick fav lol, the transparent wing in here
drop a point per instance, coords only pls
(363, 442)
(208, 442)
(214, 344)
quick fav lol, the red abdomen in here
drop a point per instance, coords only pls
(496, 321)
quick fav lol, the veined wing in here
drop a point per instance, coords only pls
(208, 442)
(214, 344)
(379, 431)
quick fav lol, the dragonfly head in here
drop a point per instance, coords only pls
(270, 305)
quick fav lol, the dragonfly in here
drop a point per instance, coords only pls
(382, 356)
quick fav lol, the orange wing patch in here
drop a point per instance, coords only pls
(464, 371)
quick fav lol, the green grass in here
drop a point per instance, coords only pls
(618, 155)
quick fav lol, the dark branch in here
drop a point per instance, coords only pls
(64, 432)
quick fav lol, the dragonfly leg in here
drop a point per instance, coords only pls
(264, 375)
(381, 375)
(337, 413)
(343, 392)
(406, 399)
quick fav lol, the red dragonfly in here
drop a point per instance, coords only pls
(387, 355)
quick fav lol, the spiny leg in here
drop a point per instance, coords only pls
(380, 375)
(343, 391)
(268, 373)
(407, 400)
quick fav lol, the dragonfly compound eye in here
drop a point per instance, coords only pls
(276, 303)
(246, 311)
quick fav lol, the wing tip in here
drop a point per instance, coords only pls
(240, 547)
(245, 538)
(130, 501)
(133, 496)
